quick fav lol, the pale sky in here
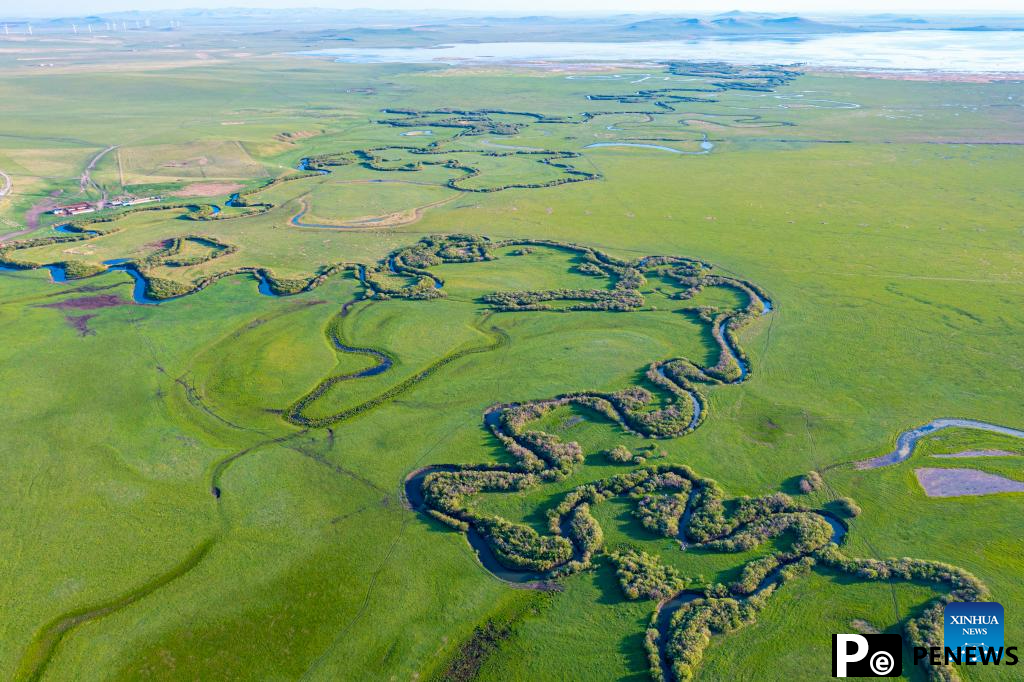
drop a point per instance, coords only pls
(811, 7)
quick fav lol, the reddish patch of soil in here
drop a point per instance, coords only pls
(32, 215)
(88, 302)
(207, 189)
(80, 323)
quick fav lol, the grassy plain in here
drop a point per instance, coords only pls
(891, 249)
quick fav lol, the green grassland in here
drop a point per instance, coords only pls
(153, 485)
(156, 163)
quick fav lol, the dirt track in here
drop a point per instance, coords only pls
(6, 189)
(395, 219)
(86, 181)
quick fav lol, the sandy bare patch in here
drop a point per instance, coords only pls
(32, 214)
(979, 453)
(864, 627)
(959, 482)
(197, 161)
(207, 189)
(295, 135)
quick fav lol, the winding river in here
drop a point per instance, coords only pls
(706, 147)
(362, 222)
(668, 608)
(766, 307)
(906, 442)
(304, 166)
(484, 554)
(139, 294)
(511, 147)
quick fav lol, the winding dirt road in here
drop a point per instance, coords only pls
(395, 219)
(6, 187)
(86, 180)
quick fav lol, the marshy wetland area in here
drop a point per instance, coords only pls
(382, 371)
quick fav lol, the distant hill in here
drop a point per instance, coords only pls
(733, 23)
(394, 28)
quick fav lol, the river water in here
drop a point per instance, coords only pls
(907, 441)
(962, 51)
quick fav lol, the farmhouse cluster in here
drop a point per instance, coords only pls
(90, 207)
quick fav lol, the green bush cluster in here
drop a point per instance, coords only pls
(715, 80)
(585, 531)
(446, 491)
(643, 576)
(661, 513)
(168, 255)
(593, 299)
(668, 422)
(519, 546)
(76, 269)
(620, 454)
(810, 482)
(754, 533)
(652, 645)
(693, 624)
(372, 159)
(414, 262)
(845, 507)
(471, 122)
(160, 288)
(736, 77)
(324, 162)
(551, 450)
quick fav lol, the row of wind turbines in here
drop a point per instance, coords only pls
(109, 27)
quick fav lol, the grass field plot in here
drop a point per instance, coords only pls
(371, 203)
(224, 159)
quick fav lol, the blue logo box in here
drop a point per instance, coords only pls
(978, 624)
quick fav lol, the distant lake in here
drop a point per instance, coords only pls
(968, 51)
